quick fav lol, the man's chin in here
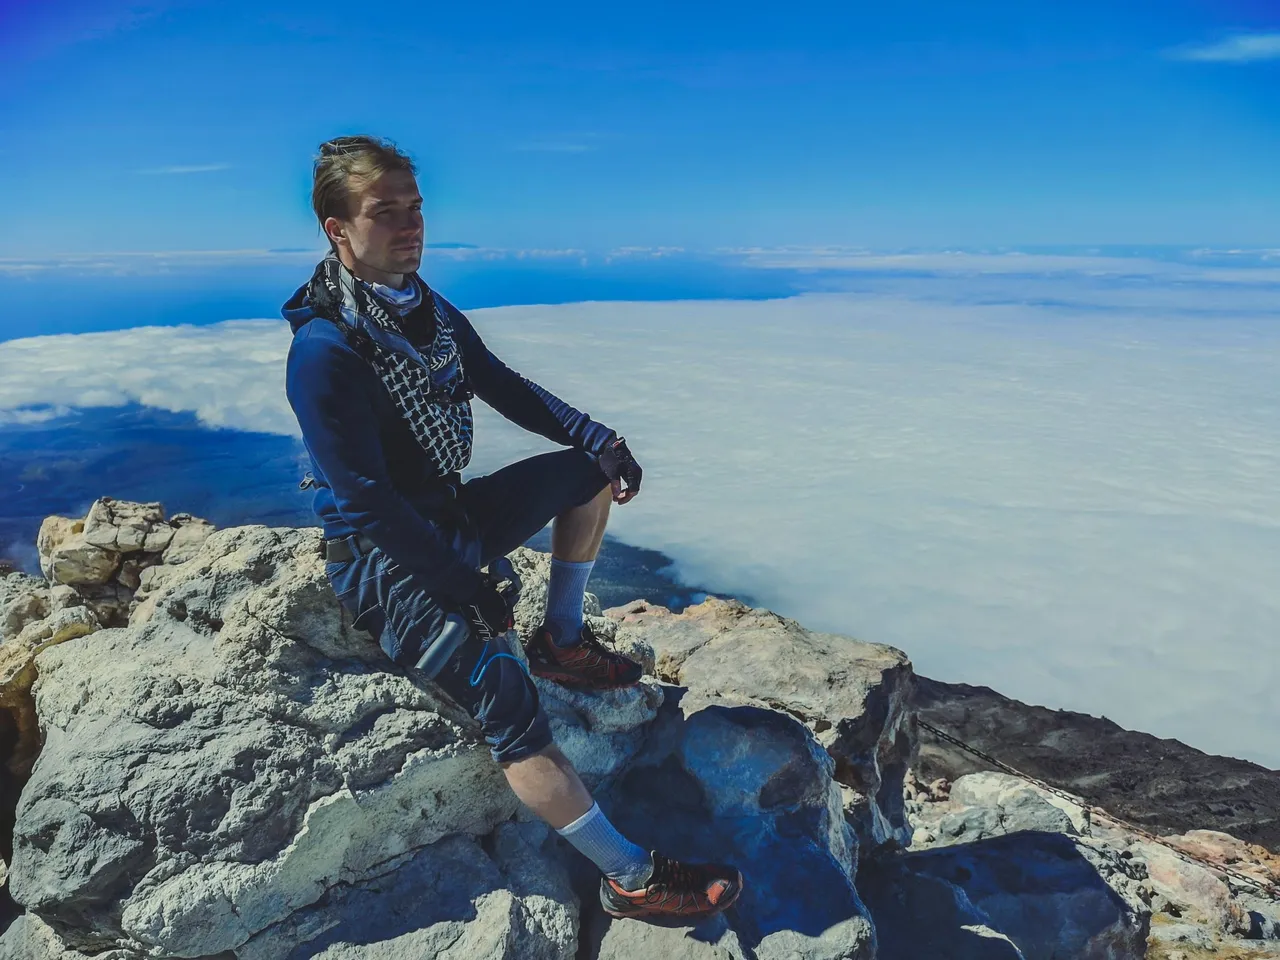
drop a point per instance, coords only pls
(400, 261)
(411, 263)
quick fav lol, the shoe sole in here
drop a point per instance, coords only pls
(673, 919)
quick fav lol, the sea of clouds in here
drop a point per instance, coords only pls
(1057, 480)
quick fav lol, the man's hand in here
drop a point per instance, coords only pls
(488, 611)
(619, 465)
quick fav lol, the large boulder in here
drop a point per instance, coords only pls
(233, 759)
(985, 805)
(1050, 896)
(1190, 892)
(776, 748)
(853, 696)
(66, 557)
(23, 599)
(918, 914)
(30, 938)
(113, 553)
(238, 773)
(456, 899)
(720, 781)
(99, 568)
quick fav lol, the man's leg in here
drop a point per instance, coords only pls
(497, 692)
(634, 883)
(511, 505)
(575, 542)
(577, 533)
(548, 785)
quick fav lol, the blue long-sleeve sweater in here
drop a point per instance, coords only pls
(372, 476)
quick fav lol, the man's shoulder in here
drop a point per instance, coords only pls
(319, 345)
(319, 336)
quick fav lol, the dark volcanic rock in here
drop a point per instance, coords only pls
(1161, 784)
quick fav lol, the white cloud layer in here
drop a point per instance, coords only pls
(1240, 48)
(229, 374)
(1073, 503)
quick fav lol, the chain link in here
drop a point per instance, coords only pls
(1268, 890)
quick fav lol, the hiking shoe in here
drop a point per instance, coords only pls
(587, 665)
(677, 891)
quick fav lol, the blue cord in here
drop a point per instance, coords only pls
(482, 665)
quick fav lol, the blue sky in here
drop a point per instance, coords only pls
(924, 123)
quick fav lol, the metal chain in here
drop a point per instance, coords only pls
(1266, 889)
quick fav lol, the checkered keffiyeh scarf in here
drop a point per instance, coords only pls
(433, 399)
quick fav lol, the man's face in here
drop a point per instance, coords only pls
(385, 231)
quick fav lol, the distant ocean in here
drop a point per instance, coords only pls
(1049, 472)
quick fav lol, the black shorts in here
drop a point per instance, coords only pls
(505, 508)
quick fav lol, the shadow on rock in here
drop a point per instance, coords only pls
(1029, 894)
(749, 786)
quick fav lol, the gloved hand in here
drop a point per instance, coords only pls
(488, 611)
(619, 465)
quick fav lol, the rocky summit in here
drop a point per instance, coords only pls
(204, 759)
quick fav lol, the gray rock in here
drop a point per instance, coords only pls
(117, 556)
(77, 563)
(18, 674)
(30, 938)
(231, 760)
(1193, 891)
(189, 534)
(63, 597)
(712, 941)
(600, 732)
(1045, 892)
(985, 805)
(22, 599)
(451, 900)
(920, 915)
(724, 781)
(1263, 914)
(853, 696)
(123, 526)
(1183, 934)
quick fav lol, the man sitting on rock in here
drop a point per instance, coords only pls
(380, 376)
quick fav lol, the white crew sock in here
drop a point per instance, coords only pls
(617, 857)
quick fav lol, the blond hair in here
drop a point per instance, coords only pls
(344, 161)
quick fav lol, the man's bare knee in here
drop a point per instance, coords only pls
(548, 785)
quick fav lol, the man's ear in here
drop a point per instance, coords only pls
(335, 230)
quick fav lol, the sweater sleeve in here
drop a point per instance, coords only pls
(328, 388)
(521, 400)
